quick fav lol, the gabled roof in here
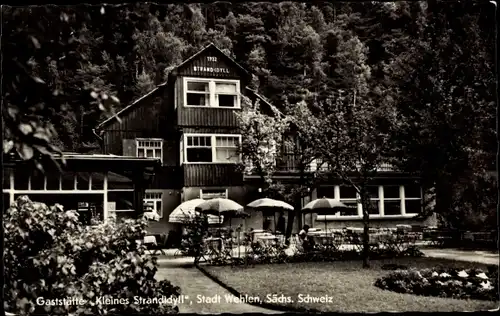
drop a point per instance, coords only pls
(160, 86)
(130, 106)
(266, 102)
(212, 46)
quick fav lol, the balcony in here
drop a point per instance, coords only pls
(290, 163)
(212, 174)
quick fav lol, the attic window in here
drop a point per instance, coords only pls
(197, 93)
(220, 93)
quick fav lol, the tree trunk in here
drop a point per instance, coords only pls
(291, 219)
(444, 200)
(366, 235)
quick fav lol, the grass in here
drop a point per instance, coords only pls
(350, 286)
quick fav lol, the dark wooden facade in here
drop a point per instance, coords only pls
(163, 115)
(212, 175)
(209, 63)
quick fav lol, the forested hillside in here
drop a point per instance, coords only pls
(296, 50)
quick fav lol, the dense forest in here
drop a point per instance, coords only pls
(428, 64)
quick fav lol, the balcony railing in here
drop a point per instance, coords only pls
(291, 163)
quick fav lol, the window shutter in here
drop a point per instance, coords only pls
(129, 147)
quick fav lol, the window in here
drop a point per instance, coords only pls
(226, 148)
(211, 93)
(197, 93)
(317, 164)
(373, 191)
(389, 200)
(207, 194)
(226, 95)
(392, 200)
(199, 149)
(325, 192)
(412, 199)
(210, 148)
(153, 199)
(150, 148)
(348, 196)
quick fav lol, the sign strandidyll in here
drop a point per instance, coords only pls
(211, 69)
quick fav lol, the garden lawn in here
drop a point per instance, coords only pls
(351, 286)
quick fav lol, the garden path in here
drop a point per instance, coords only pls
(485, 257)
(182, 272)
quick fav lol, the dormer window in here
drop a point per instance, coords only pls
(220, 93)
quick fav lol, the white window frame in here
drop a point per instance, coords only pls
(318, 165)
(154, 196)
(212, 101)
(215, 189)
(184, 147)
(144, 148)
(380, 198)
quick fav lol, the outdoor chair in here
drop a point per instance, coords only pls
(299, 244)
(355, 240)
(160, 244)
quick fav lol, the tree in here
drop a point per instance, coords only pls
(44, 62)
(262, 144)
(345, 128)
(270, 146)
(444, 98)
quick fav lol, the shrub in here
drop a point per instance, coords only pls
(454, 283)
(196, 229)
(50, 255)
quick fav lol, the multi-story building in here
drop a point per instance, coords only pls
(190, 124)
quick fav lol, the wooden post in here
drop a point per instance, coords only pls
(105, 197)
(11, 187)
(138, 194)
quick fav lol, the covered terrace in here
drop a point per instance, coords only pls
(97, 183)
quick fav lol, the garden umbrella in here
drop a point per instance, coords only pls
(270, 204)
(186, 210)
(220, 207)
(323, 206)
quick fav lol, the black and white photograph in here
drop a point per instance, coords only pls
(250, 157)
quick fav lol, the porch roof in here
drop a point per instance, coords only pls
(124, 165)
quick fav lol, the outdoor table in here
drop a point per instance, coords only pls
(326, 240)
(398, 242)
(148, 240)
(267, 239)
(257, 233)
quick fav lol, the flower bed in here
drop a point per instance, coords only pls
(442, 282)
(278, 254)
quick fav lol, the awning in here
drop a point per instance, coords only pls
(186, 211)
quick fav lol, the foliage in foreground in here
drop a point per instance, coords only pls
(454, 283)
(49, 254)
